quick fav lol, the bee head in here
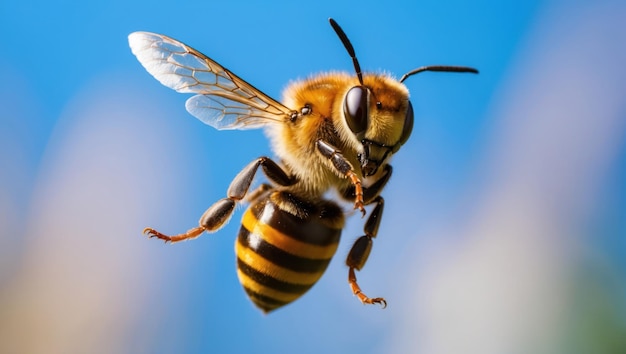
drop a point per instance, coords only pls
(377, 145)
(377, 131)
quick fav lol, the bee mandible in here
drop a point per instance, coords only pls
(333, 131)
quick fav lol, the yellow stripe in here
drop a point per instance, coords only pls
(286, 243)
(264, 290)
(255, 261)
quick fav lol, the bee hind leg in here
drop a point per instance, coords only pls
(212, 220)
(218, 214)
(191, 233)
(360, 252)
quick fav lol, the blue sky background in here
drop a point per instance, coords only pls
(505, 221)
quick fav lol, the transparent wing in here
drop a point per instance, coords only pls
(224, 101)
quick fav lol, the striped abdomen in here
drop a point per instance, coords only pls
(281, 255)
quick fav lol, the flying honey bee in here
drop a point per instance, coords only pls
(333, 131)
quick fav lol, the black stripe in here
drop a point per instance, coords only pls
(264, 302)
(308, 229)
(281, 257)
(271, 282)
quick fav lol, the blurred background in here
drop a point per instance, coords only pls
(505, 223)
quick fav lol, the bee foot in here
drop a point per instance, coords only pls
(359, 205)
(150, 232)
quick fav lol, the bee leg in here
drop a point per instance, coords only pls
(344, 167)
(372, 191)
(212, 220)
(219, 213)
(191, 233)
(361, 250)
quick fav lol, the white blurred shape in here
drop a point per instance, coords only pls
(501, 284)
(86, 278)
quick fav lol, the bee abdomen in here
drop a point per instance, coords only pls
(280, 256)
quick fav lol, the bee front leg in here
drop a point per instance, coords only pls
(217, 215)
(372, 191)
(344, 167)
(360, 251)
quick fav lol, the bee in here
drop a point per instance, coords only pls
(334, 131)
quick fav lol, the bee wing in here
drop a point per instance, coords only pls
(223, 100)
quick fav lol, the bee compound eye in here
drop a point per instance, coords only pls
(355, 108)
(407, 128)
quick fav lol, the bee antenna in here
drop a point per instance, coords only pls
(455, 69)
(349, 48)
